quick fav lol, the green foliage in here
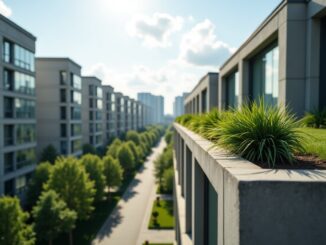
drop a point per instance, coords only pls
(163, 164)
(70, 180)
(168, 137)
(185, 119)
(315, 118)
(113, 172)
(135, 151)
(126, 158)
(260, 133)
(94, 167)
(162, 215)
(89, 149)
(13, 227)
(49, 154)
(36, 184)
(114, 148)
(168, 177)
(133, 136)
(210, 123)
(52, 217)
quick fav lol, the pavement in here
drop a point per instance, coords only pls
(127, 225)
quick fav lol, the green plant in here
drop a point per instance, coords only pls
(126, 159)
(261, 133)
(113, 148)
(89, 149)
(49, 154)
(113, 172)
(316, 118)
(168, 177)
(210, 123)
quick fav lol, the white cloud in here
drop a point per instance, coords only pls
(200, 46)
(169, 81)
(155, 30)
(4, 9)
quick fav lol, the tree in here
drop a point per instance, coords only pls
(114, 148)
(135, 151)
(95, 169)
(168, 137)
(13, 227)
(168, 177)
(70, 180)
(113, 172)
(89, 149)
(126, 159)
(49, 154)
(159, 168)
(36, 185)
(52, 217)
(133, 136)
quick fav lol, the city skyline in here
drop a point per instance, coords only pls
(148, 46)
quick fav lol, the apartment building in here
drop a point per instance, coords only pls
(155, 106)
(92, 112)
(110, 115)
(283, 61)
(17, 108)
(139, 115)
(120, 107)
(128, 115)
(203, 97)
(178, 105)
(59, 96)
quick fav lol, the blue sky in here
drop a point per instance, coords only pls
(160, 46)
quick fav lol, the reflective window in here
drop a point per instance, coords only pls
(63, 130)
(76, 113)
(63, 77)
(8, 80)
(63, 95)
(8, 135)
(19, 82)
(99, 104)
(265, 68)
(63, 147)
(76, 129)
(9, 162)
(112, 107)
(21, 184)
(232, 88)
(25, 158)
(98, 127)
(7, 51)
(91, 89)
(98, 139)
(63, 113)
(76, 145)
(25, 133)
(24, 108)
(99, 92)
(75, 81)
(98, 115)
(76, 97)
(24, 58)
(112, 98)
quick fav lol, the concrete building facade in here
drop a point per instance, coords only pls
(178, 105)
(121, 117)
(17, 108)
(92, 112)
(110, 114)
(203, 98)
(155, 105)
(59, 96)
(283, 61)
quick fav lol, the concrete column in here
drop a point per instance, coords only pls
(197, 204)
(182, 167)
(189, 161)
(222, 93)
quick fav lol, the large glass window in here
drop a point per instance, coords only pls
(8, 80)
(24, 58)
(63, 130)
(8, 135)
(25, 133)
(9, 187)
(98, 115)
(99, 104)
(76, 145)
(99, 92)
(76, 129)
(8, 107)
(98, 127)
(98, 139)
(24, 108)
(7, 51)
(76, 97)
(75, 113)
(264, 73)
(232, 90)
(25, 158)
(24, 84)
(9, 162)
(21, 184)
(63, 147)
(63, 95)
(63, 77)
(75, 81)
(63, 113)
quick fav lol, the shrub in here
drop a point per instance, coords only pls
(49, 154)
(89, 149)
(168, 177)
(315, 118)
(133, 136)
(114, 148)
(260, 133)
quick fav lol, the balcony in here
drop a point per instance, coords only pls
(224, 199)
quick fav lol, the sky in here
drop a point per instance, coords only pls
(158, 46)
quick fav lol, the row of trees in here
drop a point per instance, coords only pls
(164, 166)
(61, 193)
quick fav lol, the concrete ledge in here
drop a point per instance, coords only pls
(259, 206)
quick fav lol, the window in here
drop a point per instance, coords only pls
(75, 113)
(24, 84)
(63, 130)
(7, 51)
(91, 115)
(91, 104)
(8, 135)
(24, 108)
(9, 162)
(75, 81)
(76, 145)
(232, 88)
(63, 147)
(98, 127)
(204, 101)
(264, 73)
(98, 139)
(25, 133)
(8, 79)
(91, 89)
(21, 184)
(9, 187)
(76, 129)
(76, 97)
(24, 58)
(99, 104)
(8, 107)
(98, 115)
(63, 77)
(113, 107)
(91, 140)
(63, 95)
(63, 113)
(25, 158)
(99, 92)
(91, 128)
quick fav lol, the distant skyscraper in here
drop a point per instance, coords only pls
(178, 105)
(155, 106)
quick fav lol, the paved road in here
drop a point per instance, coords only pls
(124, 225)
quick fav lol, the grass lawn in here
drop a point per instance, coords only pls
(86, 231)
(165, 219)
(315, 142)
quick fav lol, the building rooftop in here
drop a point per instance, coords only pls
(55, 59)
